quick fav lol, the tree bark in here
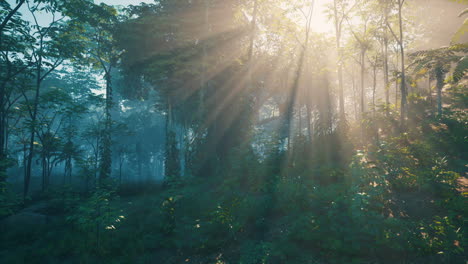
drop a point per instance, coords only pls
(374, 87)
(363, 69)
(10, 16)
(340, 63)
(106, 159)
(403, 77)
(27, 177)
(385, 69)
(429, 90)
(440, 86)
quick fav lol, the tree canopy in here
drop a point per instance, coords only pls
(233, 131)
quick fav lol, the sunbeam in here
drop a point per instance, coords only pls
(233, 131)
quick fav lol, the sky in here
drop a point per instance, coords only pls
(320, 23)
(123, 2)
(319, 20)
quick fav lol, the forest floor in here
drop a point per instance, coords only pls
(463, 186)
(40, 234)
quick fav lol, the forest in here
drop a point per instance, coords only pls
(234, 131)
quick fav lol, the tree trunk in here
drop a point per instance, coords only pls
(374, 86)
(340, 64)
(429, 90)
(3, 132)
(27, 177)
(440, 85)
(309, 128)
(120, 172)
(356, 112)
(363, 54)
(203, 81)
(403, 77)
(385, 69)
(106, 159)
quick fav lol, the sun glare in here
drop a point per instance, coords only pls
(320, 22)
(233, 131)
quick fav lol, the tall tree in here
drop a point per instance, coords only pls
(340, 10)
(363, 41)
(292, 96)
(14, 64)
(400, 40)
(48, 53)
(100, 26)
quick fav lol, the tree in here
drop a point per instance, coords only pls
(400, 40)
(13, 65)
(383, 37)
(439, 62)
(53, 44)
(292, 96)
(464, 27)
(364, 43)
(100, 27)
(9, 16)
(56, 108)
(340, 10)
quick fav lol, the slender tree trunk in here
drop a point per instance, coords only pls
(3, 133)
(356, 112)
(97, 153)
(440, 85)
(292, 96)
(120, 172)
(67, 171)
(385, 69)
(27, 177)
(50, 168)
(403, 77)
(292, 99)
(106, 159)
(397, 87)
(385, 58)
(172, 165)
(341, 93)
(309, 128)
(374, 87)
(203, 81)
(363, 54)
(43, 174)
(429, 90)
(300, 120)
(340, 63)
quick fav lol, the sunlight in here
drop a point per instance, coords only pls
(320, 22)
(233, 131)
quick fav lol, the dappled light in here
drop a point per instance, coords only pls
(233, 131)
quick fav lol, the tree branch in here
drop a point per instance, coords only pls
(56, 64)
(393, 33)
(10, 15)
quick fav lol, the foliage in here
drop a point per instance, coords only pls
(235, 141)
